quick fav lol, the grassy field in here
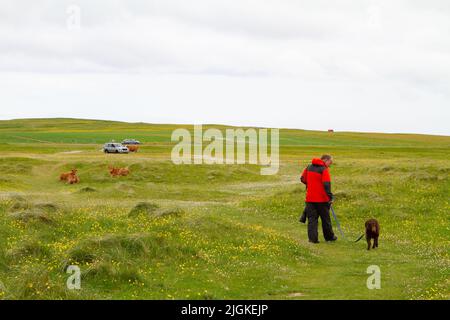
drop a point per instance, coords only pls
(216, 231)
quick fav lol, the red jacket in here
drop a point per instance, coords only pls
(317, 179)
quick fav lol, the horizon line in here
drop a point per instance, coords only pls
(231, 125)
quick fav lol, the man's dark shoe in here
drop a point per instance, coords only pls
(333, 239)
(314, 241)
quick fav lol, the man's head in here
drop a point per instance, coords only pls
(327, 159)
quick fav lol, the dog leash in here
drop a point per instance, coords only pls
(337, 223)
(360, 238)
(339, 226)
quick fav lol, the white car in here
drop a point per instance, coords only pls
(115, 148)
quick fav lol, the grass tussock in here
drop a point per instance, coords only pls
(47, 207)
(110, 246)
(112, 256)
(28, 249)
(21, 209)
(87, 190)
(143, 208)
(31, 215)
(106, 270)
(18, 165)
(152, 210)
(36, 282)
(173, 212)
(17, 202)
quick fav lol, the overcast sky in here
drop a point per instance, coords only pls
(356, 65)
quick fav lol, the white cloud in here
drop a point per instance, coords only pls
(269, 62)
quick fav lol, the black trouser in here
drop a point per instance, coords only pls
(314, 210)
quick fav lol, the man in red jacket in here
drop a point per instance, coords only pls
(319, 198)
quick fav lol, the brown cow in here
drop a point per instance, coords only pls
(73, 179)
(133, 148)
(65, 176)
(114, 172)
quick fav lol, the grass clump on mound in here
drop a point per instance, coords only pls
(18, 165)
(21, 209)
(153, 210)
(87, 190)
(174, 212)
(99, 252)
(143, 208)
(30, 248)
(117, 256)
(128, 273)
(34, 283)
(31, 214)
(120, 247)
(109, 246)
(47, 207)
(18, 202)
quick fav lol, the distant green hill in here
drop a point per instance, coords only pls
(64, 130)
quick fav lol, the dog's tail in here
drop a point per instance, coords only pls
(360, 238)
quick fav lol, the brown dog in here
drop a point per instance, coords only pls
(372, 232)
(65, 176)
(114, 172)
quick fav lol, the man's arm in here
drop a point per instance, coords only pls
(303, 177)
(326, 180)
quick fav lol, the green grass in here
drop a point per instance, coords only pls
(216, 231)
